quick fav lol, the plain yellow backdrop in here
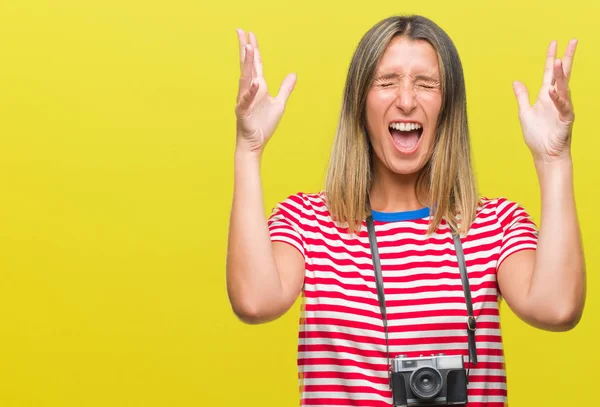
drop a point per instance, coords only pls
(117, 139)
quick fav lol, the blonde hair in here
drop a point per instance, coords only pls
(448, 174)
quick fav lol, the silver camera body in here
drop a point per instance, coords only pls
(436, 380)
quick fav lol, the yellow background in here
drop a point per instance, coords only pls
(117, 139)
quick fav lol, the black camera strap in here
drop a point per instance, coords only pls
(379, 283)
(471, 322)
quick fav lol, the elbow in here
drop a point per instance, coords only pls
(566, 321)
(567, 314)
(561, 312)
(565, 318)
(248, 308)
(555, 316)
(250, 315)
(251, 312)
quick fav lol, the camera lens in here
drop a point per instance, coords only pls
(426, 382)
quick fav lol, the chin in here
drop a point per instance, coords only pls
(407, 169)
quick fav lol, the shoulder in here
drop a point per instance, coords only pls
(506, 211)
(304, 201)
(301, 207)
(494, 202)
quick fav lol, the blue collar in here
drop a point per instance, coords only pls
(399, 216)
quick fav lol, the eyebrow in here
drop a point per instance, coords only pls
(427, 78)
(388, 76)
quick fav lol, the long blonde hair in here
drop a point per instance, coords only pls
(448, 175)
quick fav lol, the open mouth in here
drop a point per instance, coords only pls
(406, 135)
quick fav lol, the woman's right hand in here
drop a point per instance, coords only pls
(258, 113)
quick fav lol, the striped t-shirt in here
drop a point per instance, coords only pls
(341, 342)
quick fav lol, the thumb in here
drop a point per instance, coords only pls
(286, 88)
(521, 94)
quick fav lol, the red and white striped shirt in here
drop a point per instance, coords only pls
(341, 343)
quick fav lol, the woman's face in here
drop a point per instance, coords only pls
(403, 105)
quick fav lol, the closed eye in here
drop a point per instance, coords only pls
(429, 84)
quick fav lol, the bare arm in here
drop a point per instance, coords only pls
(547, 288)
(263, 278)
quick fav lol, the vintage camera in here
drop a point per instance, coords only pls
(436, 380)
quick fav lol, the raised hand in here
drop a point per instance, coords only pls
(258, 113)
(547, 125)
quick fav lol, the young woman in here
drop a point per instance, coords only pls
(401, 162)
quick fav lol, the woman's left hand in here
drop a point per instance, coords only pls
(547, 125)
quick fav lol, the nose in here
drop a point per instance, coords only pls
(405, 99)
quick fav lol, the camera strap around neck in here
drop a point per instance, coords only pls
(471, 322)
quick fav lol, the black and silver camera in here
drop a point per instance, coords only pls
(436, 380)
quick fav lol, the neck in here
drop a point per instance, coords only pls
(395, 193)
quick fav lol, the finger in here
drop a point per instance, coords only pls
(243, 41)
(257, 59)
(560, 79)
(253, 40)
(549, 67)
(522, 95)
(568, 57)
(246, 77)
(247, 98)
(248, 66)
(563, 105)
(286, 88)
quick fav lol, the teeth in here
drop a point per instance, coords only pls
(405, 126)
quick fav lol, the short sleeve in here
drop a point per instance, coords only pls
(519, 230)
(285, 221)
